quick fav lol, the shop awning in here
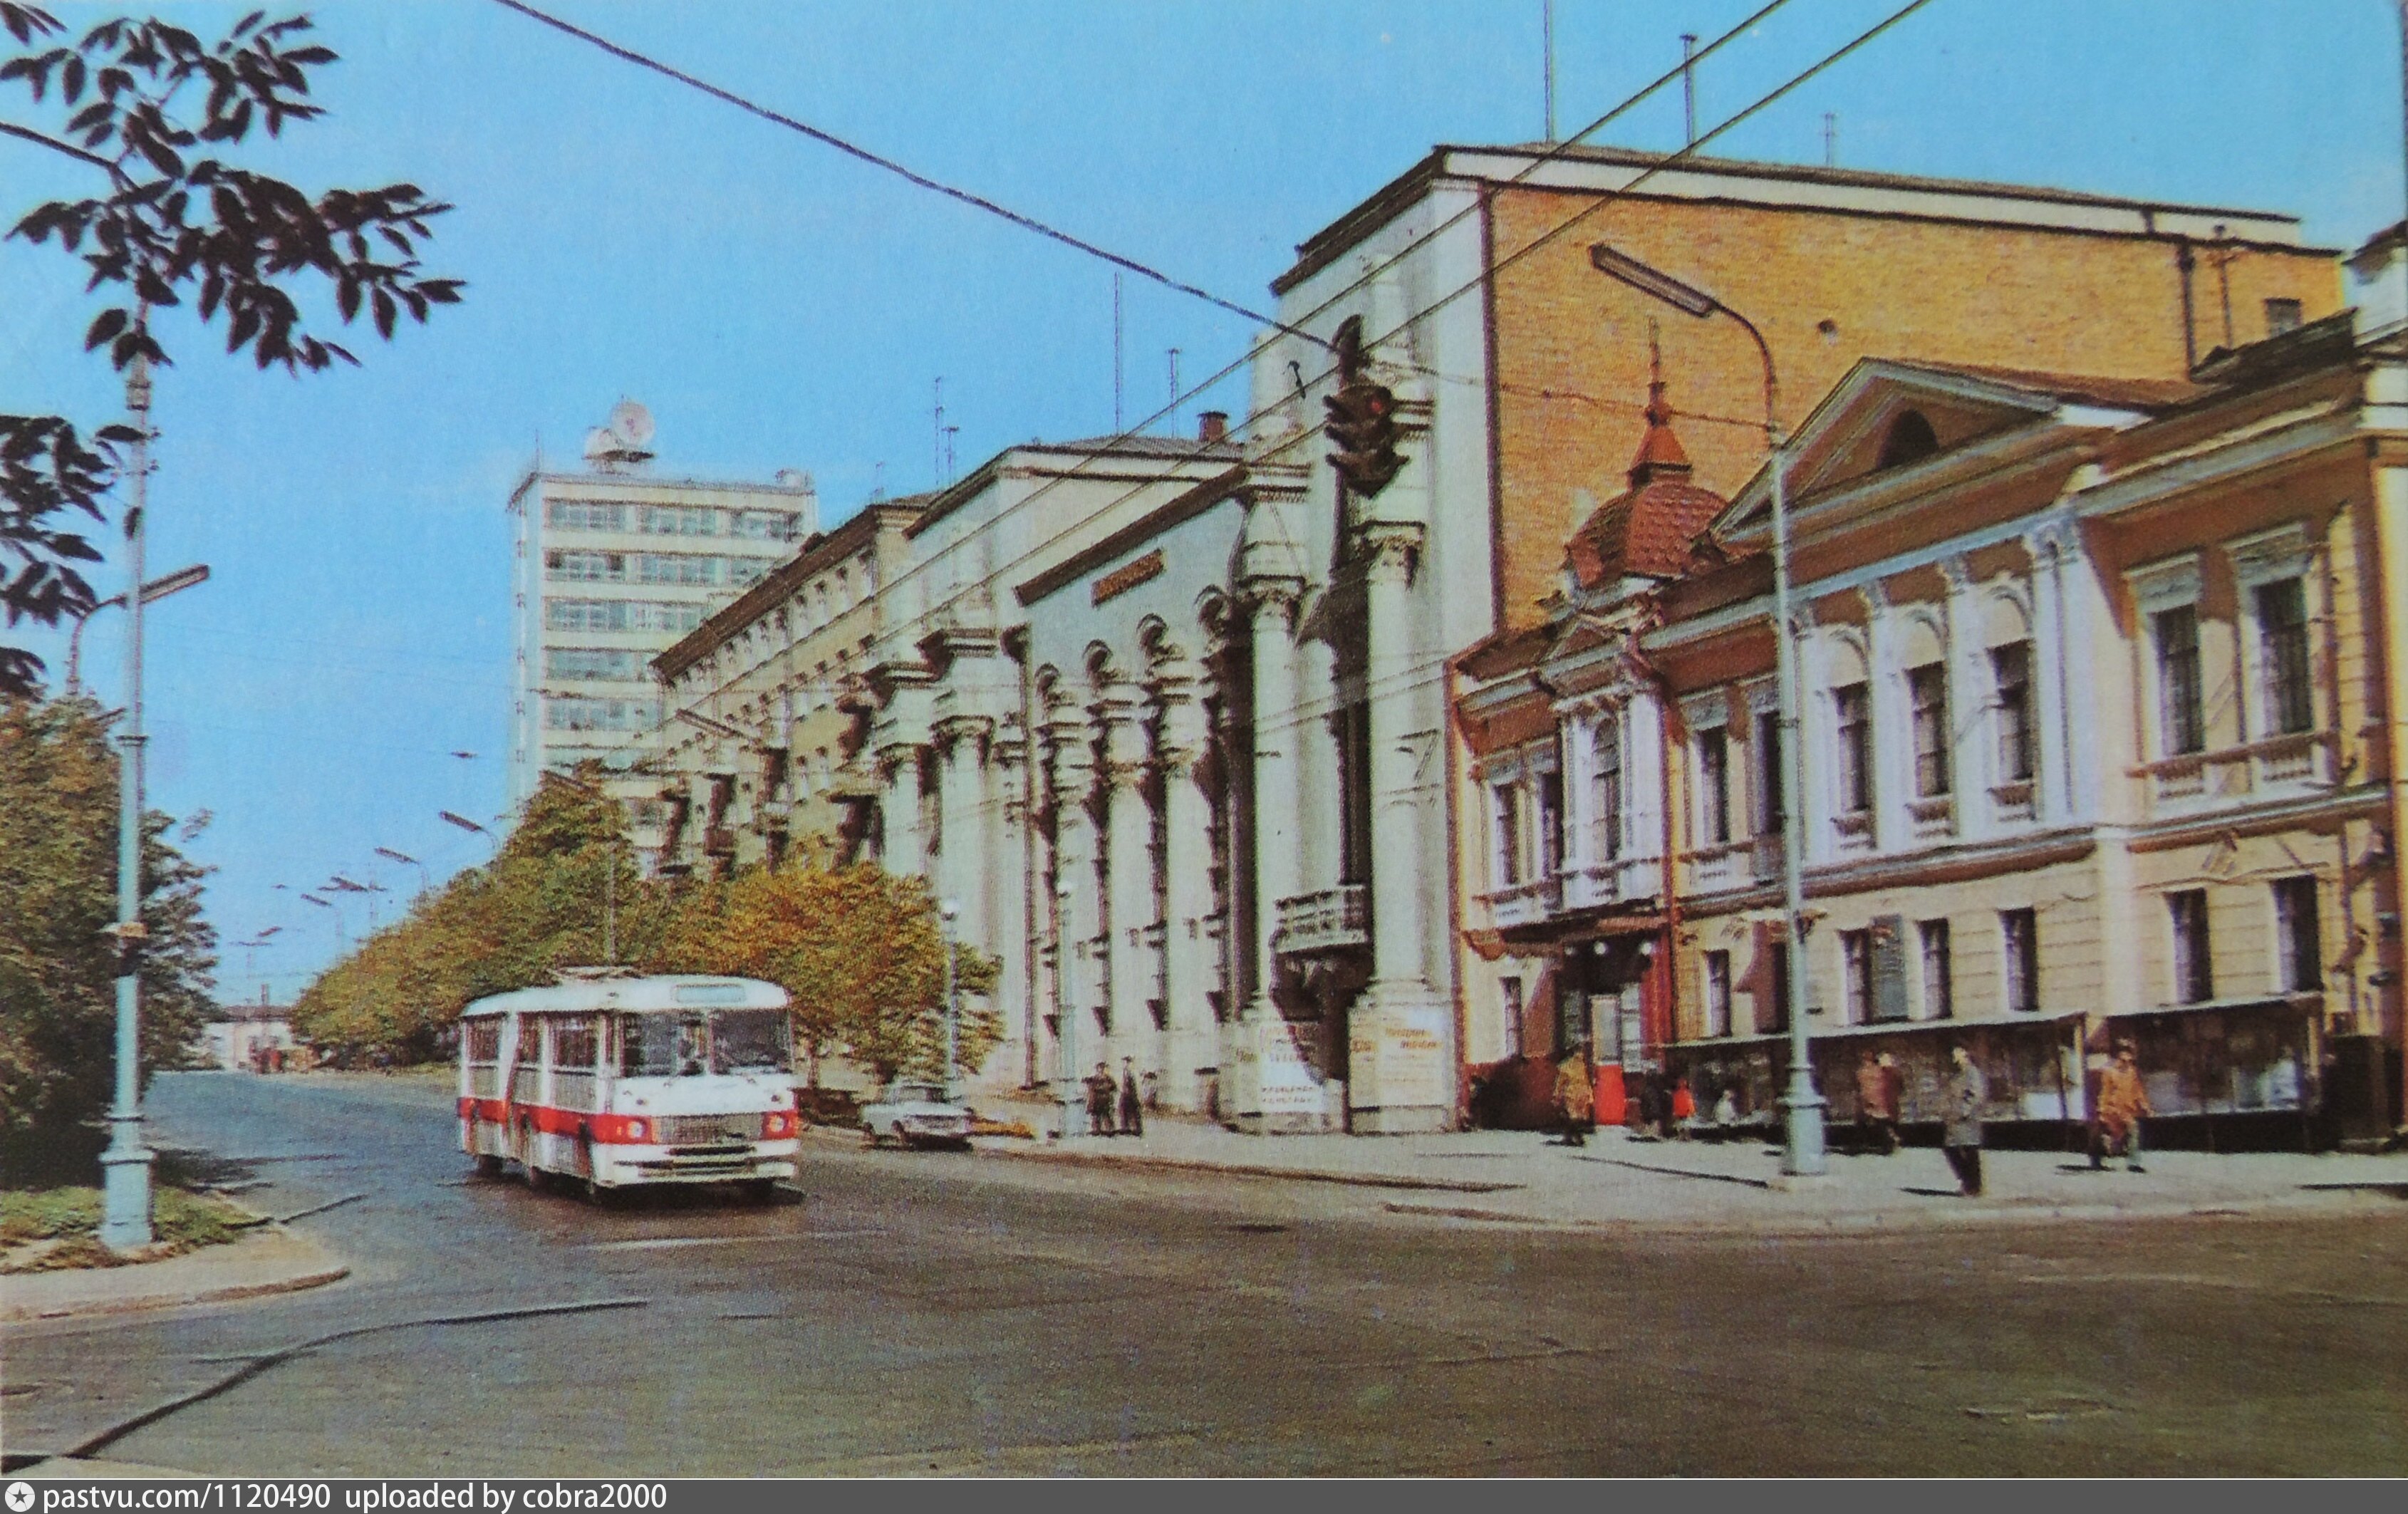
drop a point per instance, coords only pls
(1881, 1027)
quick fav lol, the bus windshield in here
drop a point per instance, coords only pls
(751, 1040)
(662, 1045)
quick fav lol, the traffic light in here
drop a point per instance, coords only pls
(1363, 423)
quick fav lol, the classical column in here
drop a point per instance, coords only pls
(1128, 878)
(1400, 1032)
(1013, 885)
(906, 852)
(1188, 888)
(965, 862)
(1075, 908)
(2050, 797)
(1276, 828)
(1972, 724)
(1817, 765)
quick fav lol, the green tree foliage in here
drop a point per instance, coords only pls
(149, 110)
(58, 892)
(860, 951)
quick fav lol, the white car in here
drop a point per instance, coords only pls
(915, 1114)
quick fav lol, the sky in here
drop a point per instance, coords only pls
(778, 305)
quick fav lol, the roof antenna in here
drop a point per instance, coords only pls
(1830, 139)
(1689, 84)
(937, 426)
(1547, 31)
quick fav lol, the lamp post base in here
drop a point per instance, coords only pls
(125, 1186)
(1801, 1117)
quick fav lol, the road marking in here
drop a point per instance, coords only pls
(663, 1243)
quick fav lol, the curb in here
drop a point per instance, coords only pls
(324, 1267)
(1236, 1169)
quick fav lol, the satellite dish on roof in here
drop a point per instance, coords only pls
(632, 424)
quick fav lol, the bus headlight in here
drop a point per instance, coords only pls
(777, 1124)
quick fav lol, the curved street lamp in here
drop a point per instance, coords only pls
(1802, 1145)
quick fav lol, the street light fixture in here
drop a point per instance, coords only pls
(946, 912)
(1803, 1144)
(408, 861)
(153, 592)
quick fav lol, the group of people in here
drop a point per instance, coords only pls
(2115, 1117)
(1130, 1093)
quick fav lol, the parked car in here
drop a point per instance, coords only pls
(915, 1114)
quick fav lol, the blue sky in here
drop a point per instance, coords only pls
(777, 304)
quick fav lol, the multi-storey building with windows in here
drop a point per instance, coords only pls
(614, 566)
(761, 748)
(2094, 680)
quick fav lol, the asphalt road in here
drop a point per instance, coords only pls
(952, 1313)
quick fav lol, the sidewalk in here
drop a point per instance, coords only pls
(275, 1261)
(1519, 1177)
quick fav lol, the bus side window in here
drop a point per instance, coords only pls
(530, 1041)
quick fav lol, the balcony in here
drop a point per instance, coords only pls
(1933, 819)
(1333, 920)
(2275, 766)
(1604, 883)
(1765, 854)
(2012, 802)
(1525, 903)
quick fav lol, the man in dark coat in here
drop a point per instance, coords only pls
(1099, 1100)
(1961, 1102)
(1132, 1102)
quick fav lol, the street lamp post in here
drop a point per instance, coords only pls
(125, 1218)
(153, 592)
(1803, 1144)
(405, 857)
(945, 914)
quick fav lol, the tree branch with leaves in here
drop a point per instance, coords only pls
(151, 110)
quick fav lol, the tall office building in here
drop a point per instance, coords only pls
(614, 565)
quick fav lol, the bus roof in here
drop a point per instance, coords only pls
(664, 993)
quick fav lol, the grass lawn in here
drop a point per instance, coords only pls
(45, 1229)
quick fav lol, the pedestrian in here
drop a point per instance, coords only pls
(1876, 1106)
(1894, 1090)
(1685, 1108)
(1575, 1102)
(1099, 1100)
(1132, 1102)
(1727, 1110)
(1961, 1131)
(1152, 1087)
(2115, 1127)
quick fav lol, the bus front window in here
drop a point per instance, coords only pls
(654, 1046)
(751, 1040)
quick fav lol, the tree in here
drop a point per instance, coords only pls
(147, 109)
(58, 892)
(859, 951)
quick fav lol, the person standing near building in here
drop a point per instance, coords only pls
(1132, 1102)
(1575, 1104)
(2122, 1099)
(1961, 1132)
(1099, 1100)
(1876, 1108)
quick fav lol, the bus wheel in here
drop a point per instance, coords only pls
(539, 1180)
(488, 1166)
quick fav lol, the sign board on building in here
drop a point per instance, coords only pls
(1126, 577)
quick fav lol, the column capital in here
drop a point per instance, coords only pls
(1389, 549)
(1269, 595)
(954, 730)
(1958, 570)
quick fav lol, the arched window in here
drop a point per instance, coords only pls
(1605, 786)
(1910, 440)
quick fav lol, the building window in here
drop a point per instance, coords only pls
(2193, 969)
(2011, 674)
(1718, 994)
(2282, 317)
(1854, 706)
(1772, 813)
(1927, 689)
(1605, 788)
(592, 662)
(584, 514)
(586, 568)
(1509, 991)
(2297, 937)
(2019, 941)
(1938, 973)
(1506, 812)
(1857, 957)
(2182, 717)
(2283, 635)
(1713, 786)
(1551, 824)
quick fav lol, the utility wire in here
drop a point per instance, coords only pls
(910, 176)
(1599, 202)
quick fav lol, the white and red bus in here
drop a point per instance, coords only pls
(615, 1081)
